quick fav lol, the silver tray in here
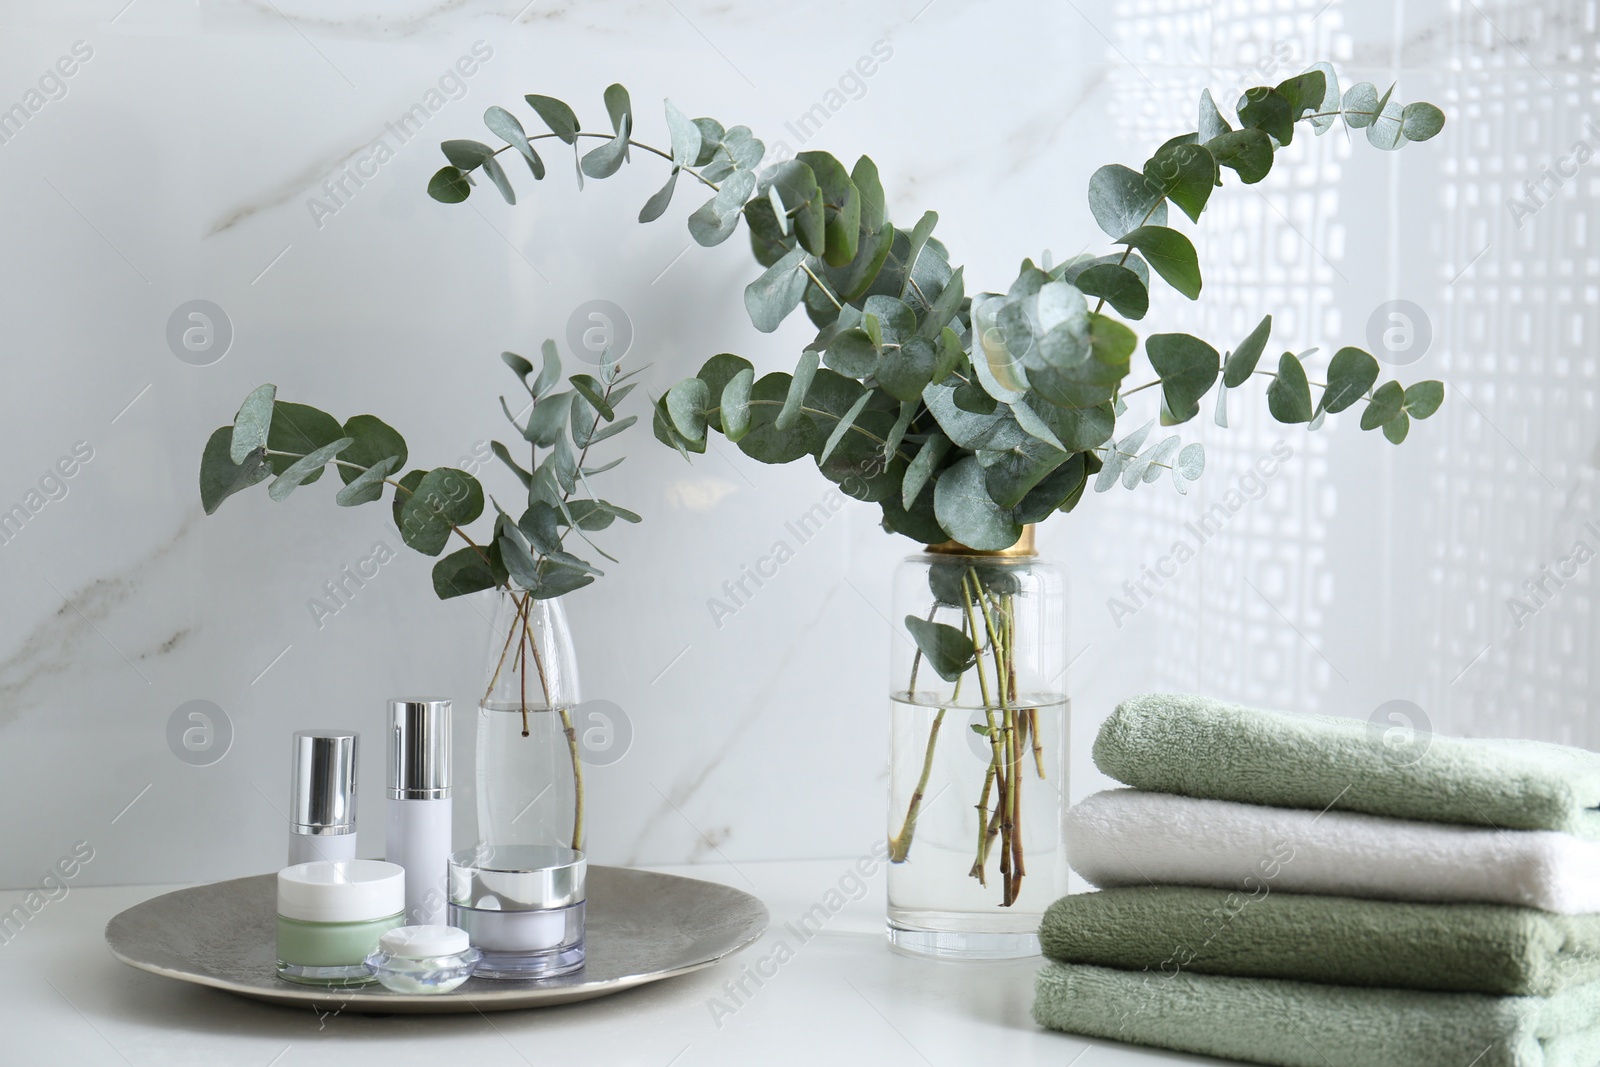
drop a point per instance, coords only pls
(641, 927)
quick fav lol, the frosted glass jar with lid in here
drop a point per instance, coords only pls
(331, 916)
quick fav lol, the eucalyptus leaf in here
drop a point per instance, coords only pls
(686, 404)
(1423, 399)
(466, 155)
(1188, 368)
(686, 137)
(962, 503)
(497, 174)
(1350, 374)
(221, 477)
(368, 485)
(1419, 122)
(1247, 152)
(1397, 427)
(252, 423)
(556, 115)
(1185, 174)
(1122, 200)
(922, 467)
(449, 186)
(1289, 395)
(1118, 286)
(778, 291)
(1242, 363)
(735, 405)
(300, 470)
(946, 649)
(1170, 254)
(373, 440)
(798, 386)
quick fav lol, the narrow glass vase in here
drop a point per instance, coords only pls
(529, 774)
(978, 751)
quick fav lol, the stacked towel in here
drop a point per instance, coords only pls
(1283, 889)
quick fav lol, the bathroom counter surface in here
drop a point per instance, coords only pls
(820, 986)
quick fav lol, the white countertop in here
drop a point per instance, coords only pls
(842, 998)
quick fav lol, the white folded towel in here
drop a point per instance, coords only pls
(1127, 837)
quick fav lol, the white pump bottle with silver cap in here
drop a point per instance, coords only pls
(419, 804)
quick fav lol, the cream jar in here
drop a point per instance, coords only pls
(522, 906)
(331, 916)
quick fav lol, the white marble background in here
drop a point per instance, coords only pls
(177, 162)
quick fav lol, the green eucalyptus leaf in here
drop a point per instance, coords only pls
(657, 204)
(1009, 475)
(507, 127)
(497, 174)
(995, 430)
(1350, 374)
(252, 423)
(299, 429)
(717, 372)
(1185, 174)
(1242, 363)
(1078, 429)
(686, 137)
(795, 185)
(556, 115)
(946, 649)
(921, 468)
(1360, 105)
(905, 371)
(1056, 491)
(1188, 368)
(300, 470)
(735, 405)
(550, 372)
(841, 203)
(443, 497)
(770, 238)
(549, 419)
(842, 427)
(1397, 427)
(1269, 111)
(765, 442)
(519, 366)
(1423, 399)
(686, 404)
(221, 477)
(367, 486)
(714, 221)
(469, 570)
(778, 291)
(1247, 152)
(1289, 395)
(373, 441)
(799, 385)
(1327, 109)
(592, 391)
(1419, 122)
(1122, 200)
(612, 430)
(1387, 133)
(966, 511)
(1170, 254)
(1304, 92)
(854, 353)
(1212, 124)
(449, 186)
(1118, 286)
(466, 155)
(606, 160)
(1386, 402)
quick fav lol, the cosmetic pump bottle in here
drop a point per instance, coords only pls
(322, 797)
(419, 804)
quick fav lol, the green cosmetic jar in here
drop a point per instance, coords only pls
(332, 915)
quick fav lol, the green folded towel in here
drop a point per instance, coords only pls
(1207, 748)
(1300, 1024)
(1467, 948)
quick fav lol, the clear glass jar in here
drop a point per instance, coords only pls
(529, 774)
(978, 751)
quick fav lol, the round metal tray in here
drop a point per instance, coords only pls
(641, 927)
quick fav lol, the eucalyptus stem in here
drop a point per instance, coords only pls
(900, 843)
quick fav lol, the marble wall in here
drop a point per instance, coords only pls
(229, 152)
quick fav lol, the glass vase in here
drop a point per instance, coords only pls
(529, 775)
(979, 728)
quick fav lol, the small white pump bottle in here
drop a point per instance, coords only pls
(419, 804)
(322, 797)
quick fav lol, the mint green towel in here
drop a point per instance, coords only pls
(1207, 748)
(1467, 948)
(1299, 1024)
